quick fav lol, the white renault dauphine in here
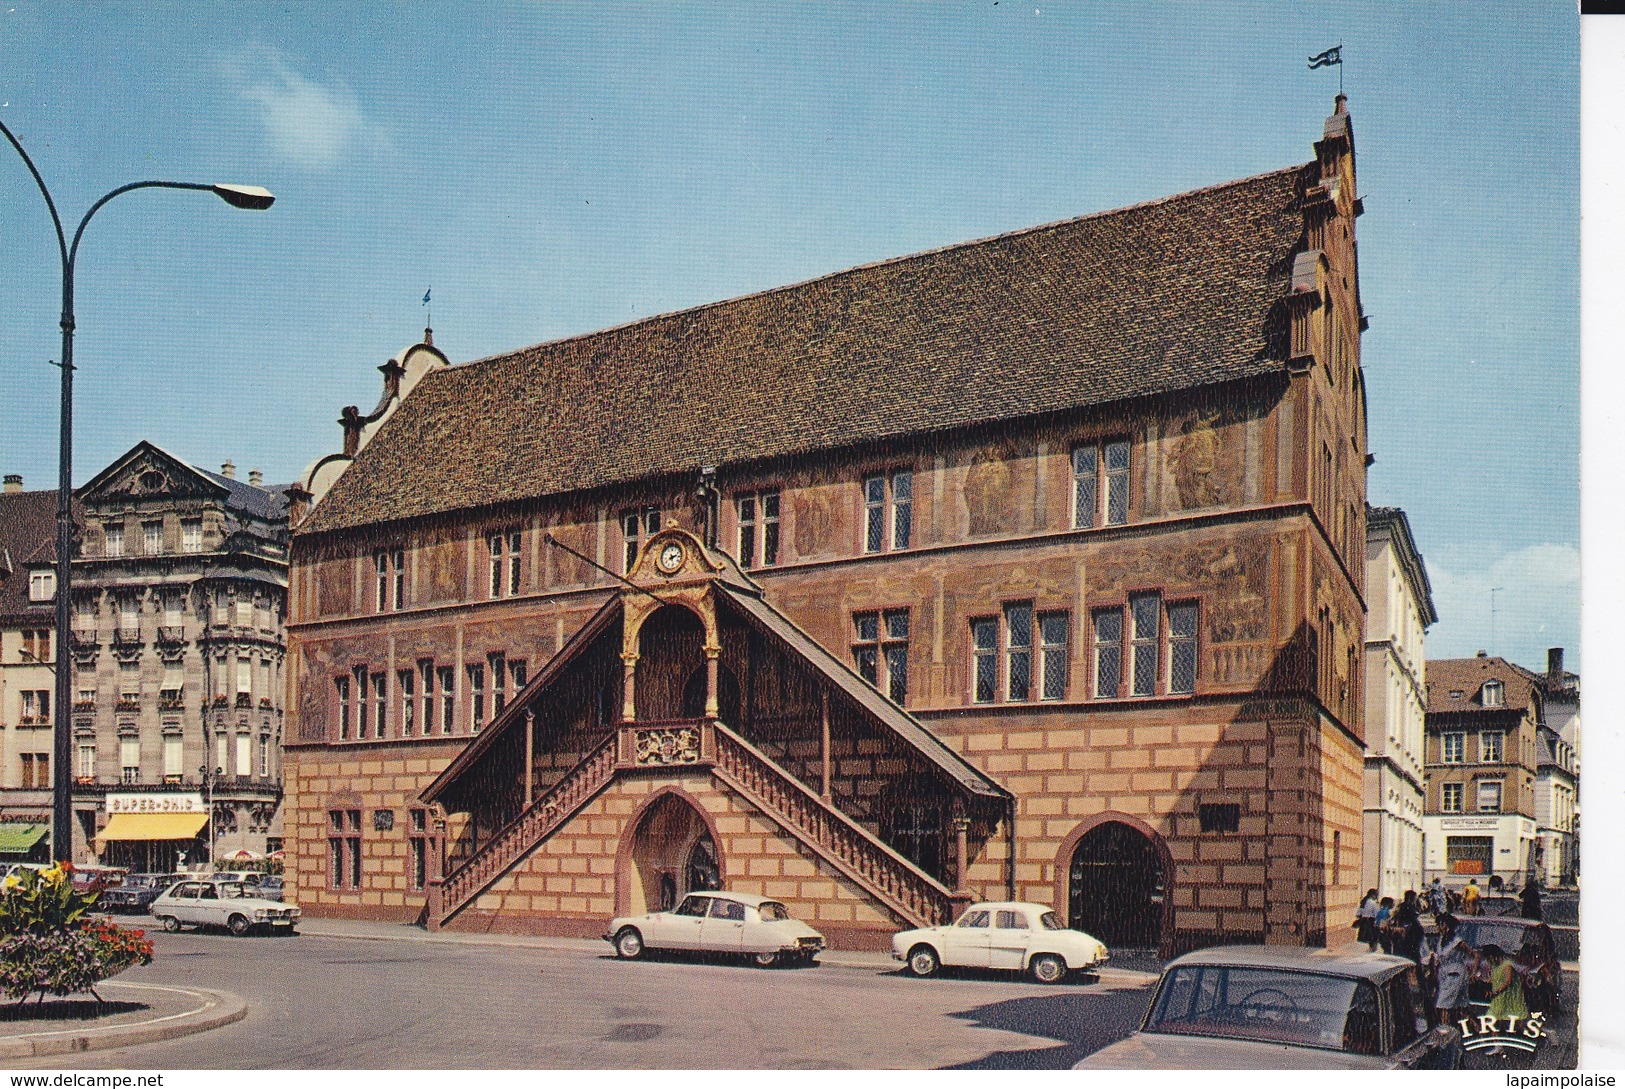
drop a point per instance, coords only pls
(719, 922)
(232, 905)
(1022, 937)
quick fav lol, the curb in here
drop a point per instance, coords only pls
(217, 1008)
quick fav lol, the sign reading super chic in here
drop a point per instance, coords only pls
(155, 803)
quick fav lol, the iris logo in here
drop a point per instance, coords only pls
(1524, 1033)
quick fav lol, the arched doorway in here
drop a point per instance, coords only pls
(1118, 886)
(670, 852)
(670, 648)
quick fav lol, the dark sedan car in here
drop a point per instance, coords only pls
(1530, 945)
(1279, 1008)
(136, 894)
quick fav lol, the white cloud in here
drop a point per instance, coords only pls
(307, 123)
(1537, 605)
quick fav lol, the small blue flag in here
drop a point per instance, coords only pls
(1334, 55)
(426, 297)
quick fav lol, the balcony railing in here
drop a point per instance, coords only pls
(244, 700)
(171, 635)
(84, 706)
(123, 638)
(170, 700)
(128, 703)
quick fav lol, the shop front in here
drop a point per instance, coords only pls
(153, 833)
(1487, 848)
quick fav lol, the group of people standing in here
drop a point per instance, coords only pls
(1445, 957)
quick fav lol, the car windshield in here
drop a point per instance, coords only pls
(1050, 922)
(772, 911)
(1268, 1005)
(235, 892)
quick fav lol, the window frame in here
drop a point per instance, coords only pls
(344, 868)
(1100, 489)
(1158, 648)
(1479, 788)
(885, 511)
(758, 535)
(505, 556)
(637, 525)
(1446, 794)
(1460, 746)
(885, 646)
(1484, 747)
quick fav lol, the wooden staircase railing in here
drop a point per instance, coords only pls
(845, 844)
(521, 835)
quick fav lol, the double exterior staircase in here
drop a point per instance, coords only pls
(844, 844)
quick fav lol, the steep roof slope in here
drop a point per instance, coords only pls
(1161, 296)
(27, 533)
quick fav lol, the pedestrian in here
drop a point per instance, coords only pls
(1406, 925)
(1469, 897)
(1365, 920)
(1506, 987)
(1530, 898)
(1385, 914)
(1453, 962)
(1437, 901)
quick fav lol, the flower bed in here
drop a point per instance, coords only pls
(48, 944)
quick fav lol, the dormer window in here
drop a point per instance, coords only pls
(41, 585)
(1494, 693)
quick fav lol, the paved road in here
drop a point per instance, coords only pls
(343, 1002)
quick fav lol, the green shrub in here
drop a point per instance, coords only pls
(48, 945)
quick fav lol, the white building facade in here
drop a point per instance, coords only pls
(1399, 604)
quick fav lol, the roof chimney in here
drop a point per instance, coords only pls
(229, 471)
(1483, 654)
(1554, 666)
(255, 478)
(14, 484)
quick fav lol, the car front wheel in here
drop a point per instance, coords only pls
(923, 961)
(171, 924)
(629, 944)
(239, 925)
(765, 960)
(1048, 968)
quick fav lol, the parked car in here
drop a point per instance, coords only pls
(719, 922)
(15, 867)
(1531, 946)
(1251, 1007)
(91, 878)
(270, 887)
(1021, 937)
(240, 877)
(231, 904)
(135, 894)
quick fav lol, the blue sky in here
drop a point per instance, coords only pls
(552, 169)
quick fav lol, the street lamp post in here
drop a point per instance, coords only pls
(208, 775)
(238, 196)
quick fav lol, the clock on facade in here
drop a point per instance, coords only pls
(671, 558)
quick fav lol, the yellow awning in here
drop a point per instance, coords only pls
(151, 826)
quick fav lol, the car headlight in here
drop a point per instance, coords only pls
(261, 913)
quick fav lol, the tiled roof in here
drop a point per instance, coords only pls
(1467, 676)
(27, 535)
(264, 501)
(1173, 294)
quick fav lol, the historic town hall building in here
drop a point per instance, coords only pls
(1025, 567)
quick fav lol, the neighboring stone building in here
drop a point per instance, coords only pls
(27, 669)
(180, 594)
(1483, 728)
(1399, 609)
(1030, 566)
(1557, 782)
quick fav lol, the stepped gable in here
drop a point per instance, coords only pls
(1163, 296)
